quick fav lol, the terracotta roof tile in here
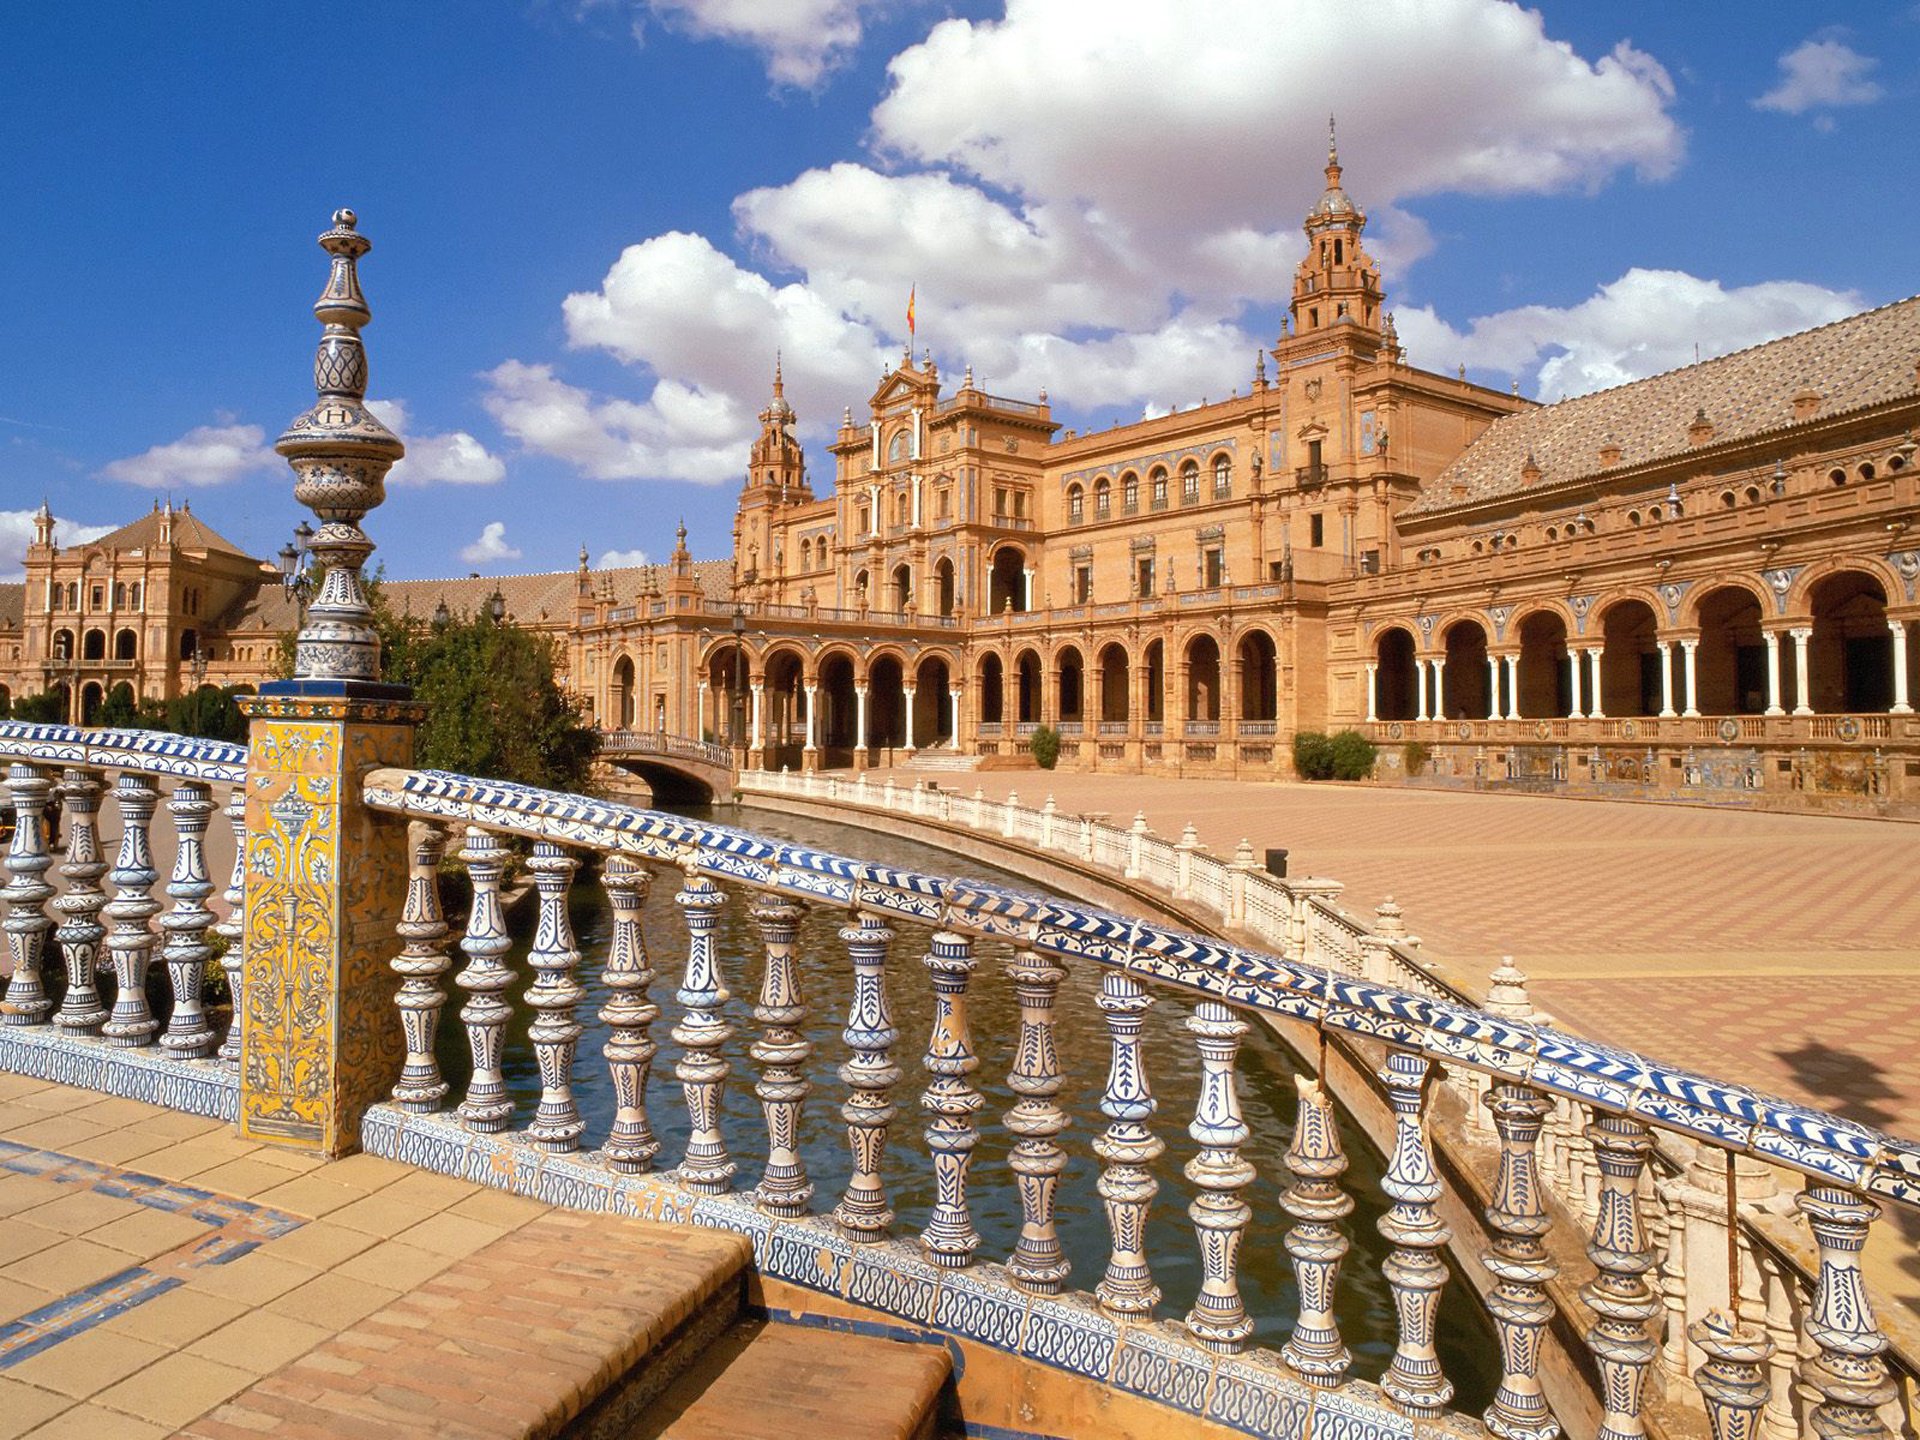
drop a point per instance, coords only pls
(13, 605)
(190, 532)
(1864, 360)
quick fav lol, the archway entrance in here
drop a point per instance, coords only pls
(1156, 696)
(943, 581)
(1464, 679)
(1629, 660)
(727, 672)
(1731, 678)
(886, 704)
(1203, 679)
(991, 698)
(932, 706)
(839, 711)
(620, 699)
(1113, 686)
(1259, 664)
(1850, 670)
(1543, 666)
(1395, 692)
(1027, 679)
(1070, 707)
(783, 712)
(1007, 582)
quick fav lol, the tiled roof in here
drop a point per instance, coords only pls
(189, 533)
(13, 605)
(549, 598)
(1863, 360)
(269, 607)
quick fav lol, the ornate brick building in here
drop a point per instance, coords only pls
(1700, 582)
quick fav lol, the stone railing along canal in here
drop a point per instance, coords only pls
(1823, 1369)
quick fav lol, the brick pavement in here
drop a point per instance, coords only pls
(1763, 948)
(154, 1266)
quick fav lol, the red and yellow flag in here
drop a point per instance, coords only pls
(910, 294)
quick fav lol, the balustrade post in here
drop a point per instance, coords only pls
(80, 931)
(487, 1107)
(1846, 1371)
(952, 1101)
(233, 929)
(1316, 1242)
(782, 1055)
(1128, 1148)
(1622, 1300)
(1733, 1380)
(702, 1070)
(629, 1014)
(1414, 1271)
(422, 960)
(26, 894)
(1136, 837)
(1521, 1267)
(1038, 1264)
(189, 1033)
(131, 940)
(1219, 1317)
(871, 1075)
(553, 997)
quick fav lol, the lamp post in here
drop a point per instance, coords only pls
(442, 617)
(496, 606)
(296, 573)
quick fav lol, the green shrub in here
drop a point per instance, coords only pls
(1353, 755)
(1414, 756)
(1312, 755)
(1044, 744)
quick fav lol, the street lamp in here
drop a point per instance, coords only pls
(197, 667)
(295, 574)
(442, 617)
(496, 606)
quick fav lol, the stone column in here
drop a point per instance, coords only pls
(1513, 687)
(325, 876)
(700, 711)
(1667, 712)
(757, 688)
(1901, 705)
(1439, 687)
(953, 702)
(1373, 693)
(1493, 687)
(906, 703)
(1576, 697)
(1772, 639)
(813, 696)
(1420, 679)
(1802, 684)
(1594, 707)
(1690, 671)
(859, 727)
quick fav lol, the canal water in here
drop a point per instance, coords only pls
(1265, 1083)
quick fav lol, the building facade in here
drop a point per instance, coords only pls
(1698, 583)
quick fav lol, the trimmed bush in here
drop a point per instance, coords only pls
(1414, 756)
(1312, 755)
(1353, 755)
(1044, 744)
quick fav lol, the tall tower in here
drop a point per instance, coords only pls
(776, 478)
(1336, 288)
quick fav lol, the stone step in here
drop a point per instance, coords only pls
(573, 1324)
(941, 760)
(764, 1380)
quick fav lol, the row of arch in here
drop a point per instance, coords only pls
(1158, 479)
(1845, 656)
(126, 596)
(92, 645)
(1097, 686)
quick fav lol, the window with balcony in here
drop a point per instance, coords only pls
(1222, 478)
(1213, 567)
(1082, 584)
(1076, 505)
(1102, 499)
(1159, 482)
(1130, 493)
(1190, 483)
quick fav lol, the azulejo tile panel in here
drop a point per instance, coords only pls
(325, 880)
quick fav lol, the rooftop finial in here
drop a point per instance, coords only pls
(1333, 151)
(778, 385)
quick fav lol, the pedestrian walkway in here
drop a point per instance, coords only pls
(1776, 950)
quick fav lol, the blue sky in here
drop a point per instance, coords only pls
(595, 222)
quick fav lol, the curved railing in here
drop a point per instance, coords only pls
(60, 775)
(659, 742)
(1529, 1069)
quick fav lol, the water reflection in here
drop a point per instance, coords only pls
(1265, 1074)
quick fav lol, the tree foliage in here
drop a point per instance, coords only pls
(1346, 756)
(49, 707)
(1045, 745)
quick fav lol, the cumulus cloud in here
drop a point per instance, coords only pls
(1822, 75)
(1643, 323)
(621, 559)
(206, 455)
(16, 533)
(491, 547)
(679, 431)
(1092, 209)
(451, 458)
(800, 41)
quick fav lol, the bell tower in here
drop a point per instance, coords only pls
(776, 479)
(1336, 289)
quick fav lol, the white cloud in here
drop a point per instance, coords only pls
(206, 455)
(1643, 323)
(1072, 225)
(452, 458)
(491, 547)
(1819, 75)
(16, 533)
(621, 559)
(679, 432)
(799, 40)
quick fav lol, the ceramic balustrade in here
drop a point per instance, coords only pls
(84, 926)
(1590, 1114)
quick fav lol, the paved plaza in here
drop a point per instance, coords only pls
(1777, 950)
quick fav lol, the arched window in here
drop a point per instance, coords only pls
(897, 447)
(1190, 483)
(119, 596)
(133, 596)
(1102, 498)
(73, 596)
(1222, 477)
(1130, 492)
(806, 554)
(1158, 480)
(1076, 499)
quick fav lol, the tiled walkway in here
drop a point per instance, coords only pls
(155, 1270)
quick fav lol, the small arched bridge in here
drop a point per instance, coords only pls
(678, 768)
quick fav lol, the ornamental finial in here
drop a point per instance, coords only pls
(340, 454)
